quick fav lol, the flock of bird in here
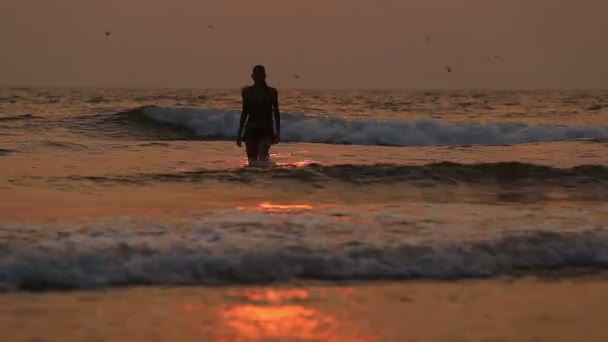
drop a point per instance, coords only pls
(296, 76)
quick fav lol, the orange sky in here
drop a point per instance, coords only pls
(330, 43)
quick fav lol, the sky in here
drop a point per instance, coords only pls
(327, 43)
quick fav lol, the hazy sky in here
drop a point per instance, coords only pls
(329, 43)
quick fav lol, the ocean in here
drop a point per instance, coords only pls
(127, 193)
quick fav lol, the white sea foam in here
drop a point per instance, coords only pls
(255, 247)
(297, 127)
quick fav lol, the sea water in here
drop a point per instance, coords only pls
(122, 187)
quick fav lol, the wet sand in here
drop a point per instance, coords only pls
(497, 310)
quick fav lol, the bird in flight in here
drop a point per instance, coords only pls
(448, 69)
(108, 33)
(296, 76)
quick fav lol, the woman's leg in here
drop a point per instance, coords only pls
(252, 150)
(263, 148)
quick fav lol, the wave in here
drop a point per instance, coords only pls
(440, 173)
(62, 144)
(296, 127)
(96, 99)
(18, 117)
(5, 152)
(205, 258)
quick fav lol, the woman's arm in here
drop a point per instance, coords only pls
(277, 114)
(242, 120)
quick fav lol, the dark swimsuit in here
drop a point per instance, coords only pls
(259, 119)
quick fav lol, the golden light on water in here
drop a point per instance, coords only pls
(254, 322)
(280, 207)
(286, 164)
(272, 295)
(302, 163)
(281, 314)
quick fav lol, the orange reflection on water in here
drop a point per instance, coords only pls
(281, 207)
(271, 295)
(302, 163)
(273, 319)
(297, 164)
(278, 207)
(278, 322)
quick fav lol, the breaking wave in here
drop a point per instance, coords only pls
(297, 127)
(206, 257)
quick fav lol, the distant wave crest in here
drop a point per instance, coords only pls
(296, 127)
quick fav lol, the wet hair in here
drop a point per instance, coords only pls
(259, 68)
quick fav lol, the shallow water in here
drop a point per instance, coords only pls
(102, 189)
(522, 310)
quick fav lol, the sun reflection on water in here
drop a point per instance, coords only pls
(282, 207)
(295, 164)
(271, 295)
(280, 314)
(279, 322)
(278, 207)
(302, 163)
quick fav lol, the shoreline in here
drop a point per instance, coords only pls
(473, 310)
(487, 310)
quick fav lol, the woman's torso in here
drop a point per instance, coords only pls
(258, 104)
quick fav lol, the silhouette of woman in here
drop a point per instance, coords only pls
(260, 105)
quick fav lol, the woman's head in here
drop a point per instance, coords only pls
(259, 74)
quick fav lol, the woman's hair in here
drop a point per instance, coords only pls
(259, 68)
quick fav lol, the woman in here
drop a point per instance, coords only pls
(260, 105)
